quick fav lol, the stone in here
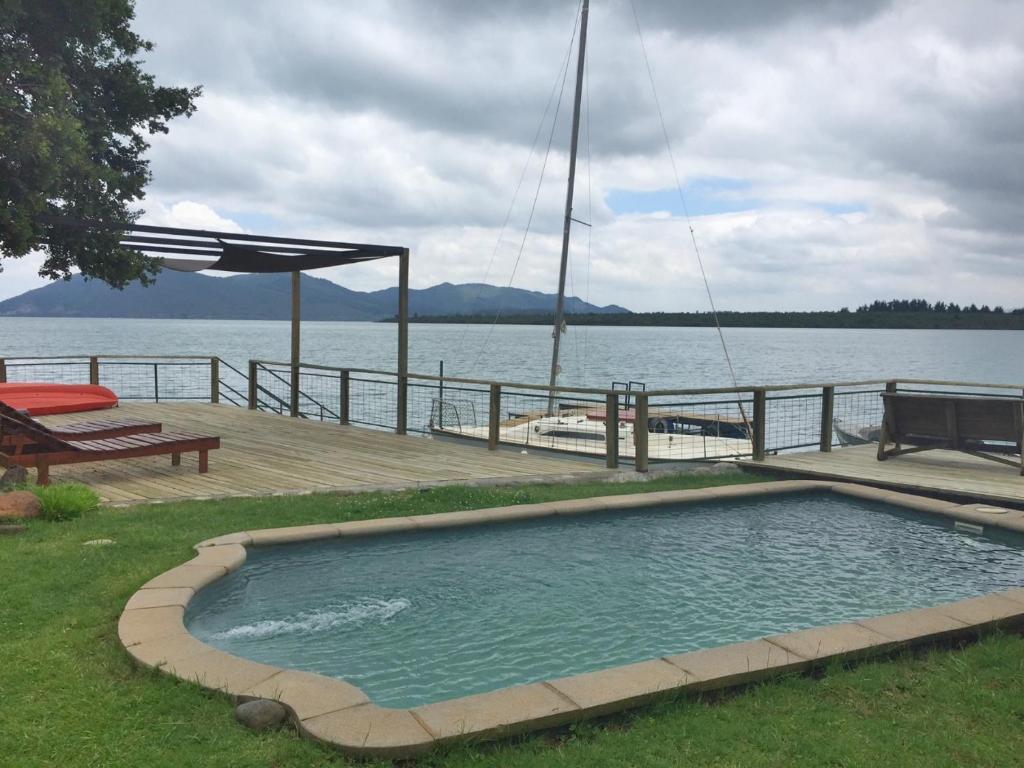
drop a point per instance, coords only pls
(918, 626)
(230, 557)
(98, 542)
(503, 712)
(261, 714)
(160, 598)
(617, 688)
(218, 670)
(371, 731)
(139, 625)
(13, 477)
(737, 664)
(269, 536)
(835, 641)
(308, 695)
(18, 505)
(194, 576)
(9, 529)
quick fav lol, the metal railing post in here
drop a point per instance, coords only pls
(3, 371)
(611, 431)
(760, 418)
(94, 370)
(252, 385)
(828, 398)
(343, 393)
(440, 395)
(214, 380)
(640, 432)
(293, 401)
(402, 406)
(156, 382)
(494, 418)
(890, 386)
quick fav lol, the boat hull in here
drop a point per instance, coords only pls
(41, 399)
(579, 435)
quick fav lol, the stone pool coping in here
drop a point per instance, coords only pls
(153, 631)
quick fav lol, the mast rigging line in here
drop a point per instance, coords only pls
(564, 69)
(686, 211)
(567, 226)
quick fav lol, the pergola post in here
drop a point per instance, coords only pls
(402, 406)
(296, 340)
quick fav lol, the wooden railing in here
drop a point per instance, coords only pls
(777, 418)
(755, 404)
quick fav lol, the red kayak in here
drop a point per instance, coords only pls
(39, 399)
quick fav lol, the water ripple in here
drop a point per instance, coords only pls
(428, 615)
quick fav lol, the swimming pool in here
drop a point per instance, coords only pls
(387, 637)
(417, 617)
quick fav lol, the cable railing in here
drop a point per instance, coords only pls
(622, 423)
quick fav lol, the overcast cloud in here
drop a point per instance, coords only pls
(832, 152)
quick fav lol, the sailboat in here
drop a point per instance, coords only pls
(571, 427)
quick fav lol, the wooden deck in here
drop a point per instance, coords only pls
(263, 454)
(944, 473)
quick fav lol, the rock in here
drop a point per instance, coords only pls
(13, 477)
(19, 504)
(97, 542)
(9, 529)
(261, 714)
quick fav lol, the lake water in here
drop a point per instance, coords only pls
(594, 356)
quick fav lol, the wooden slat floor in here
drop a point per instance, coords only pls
(264, 454)
(936, 472)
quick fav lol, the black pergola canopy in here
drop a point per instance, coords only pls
(191, 250)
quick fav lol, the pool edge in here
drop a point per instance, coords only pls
(152, 630)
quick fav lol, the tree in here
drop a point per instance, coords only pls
(76, 109)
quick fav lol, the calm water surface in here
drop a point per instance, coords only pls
(661, 357)
(420, 617)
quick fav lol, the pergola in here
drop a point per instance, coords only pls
(191, 250)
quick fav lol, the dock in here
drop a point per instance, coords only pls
(300, 428)
(265, 454)
(933, 473)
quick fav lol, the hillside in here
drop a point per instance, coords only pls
(268, 297)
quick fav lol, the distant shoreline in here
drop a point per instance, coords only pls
(809, 320)
(968, 321)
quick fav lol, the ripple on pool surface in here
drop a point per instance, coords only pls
(423, 616)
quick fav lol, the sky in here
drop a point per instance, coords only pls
(827, 153)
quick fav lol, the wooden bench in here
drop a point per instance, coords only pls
(980, 426)
(28, 444)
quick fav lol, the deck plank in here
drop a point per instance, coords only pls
(263, 453)
(935, 472)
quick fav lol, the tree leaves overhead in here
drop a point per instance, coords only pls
(76, 109)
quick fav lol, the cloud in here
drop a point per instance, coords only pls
(873, 148)
(189, 215)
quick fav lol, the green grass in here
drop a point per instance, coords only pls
(65, 501)
(70, 696)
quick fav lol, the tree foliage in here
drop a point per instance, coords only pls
(76, 109)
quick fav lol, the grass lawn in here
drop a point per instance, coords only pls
(70, 696)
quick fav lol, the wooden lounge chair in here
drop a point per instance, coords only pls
(83, 430)
(40, 449)
(980, 426)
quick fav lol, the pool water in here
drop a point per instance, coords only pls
(418, 617)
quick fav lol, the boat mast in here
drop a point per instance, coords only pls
(560, 305)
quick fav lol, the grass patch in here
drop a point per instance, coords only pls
(70, 695)
(65, 501)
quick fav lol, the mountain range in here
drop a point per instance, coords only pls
(183, 295)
